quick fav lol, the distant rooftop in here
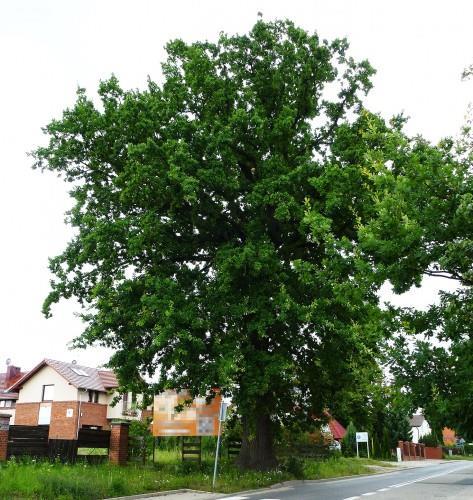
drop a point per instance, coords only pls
(417, 420)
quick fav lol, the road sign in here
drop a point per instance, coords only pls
(223, 412)
(361, 437)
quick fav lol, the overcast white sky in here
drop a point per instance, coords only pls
(49, 47)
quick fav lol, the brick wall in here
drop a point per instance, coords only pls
(94, 414)
(62, 426)
(4, 425)
(3, 445)
(26, 413)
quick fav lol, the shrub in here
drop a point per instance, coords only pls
(141, 440)
(349, 441)
(294, 465)
(430, 440)
(468, 449)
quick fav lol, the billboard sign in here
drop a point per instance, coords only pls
(198, 419)
(361, 437)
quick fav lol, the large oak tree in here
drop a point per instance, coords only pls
(217, 218)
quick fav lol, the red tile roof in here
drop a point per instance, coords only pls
(337, 429)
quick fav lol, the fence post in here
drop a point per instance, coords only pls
(4, 430)
(118, 451)
(400, 445)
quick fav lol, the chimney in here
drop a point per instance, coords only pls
(13, 374)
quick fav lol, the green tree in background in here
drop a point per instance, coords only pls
(217, 219)
(424, 227)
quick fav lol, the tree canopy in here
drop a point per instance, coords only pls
(226, 221)
(425, 227)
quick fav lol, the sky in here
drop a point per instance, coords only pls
(50, 47)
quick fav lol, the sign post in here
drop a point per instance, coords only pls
(221, 418)
(362, 437)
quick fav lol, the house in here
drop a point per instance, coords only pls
(419, 427)
(332, 432)
(68, 397)
(336, 429)
(8, 399)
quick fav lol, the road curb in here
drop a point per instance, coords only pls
(292, 482)
(159, 494)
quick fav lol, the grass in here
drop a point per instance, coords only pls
(458, 457)
(44, 480)
(92, 451)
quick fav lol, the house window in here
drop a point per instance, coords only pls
(125, 401)
(93, 396)
(2, 403)
(48, 392)
(9, 403)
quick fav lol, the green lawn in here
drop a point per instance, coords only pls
(44, 480)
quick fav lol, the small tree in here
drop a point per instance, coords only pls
(349, 441)
(141, 439)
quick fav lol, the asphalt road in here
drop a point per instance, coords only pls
(451, 480)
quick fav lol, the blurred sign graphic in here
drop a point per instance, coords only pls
(198, 419)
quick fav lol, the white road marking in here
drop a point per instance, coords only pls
(424, 478)
(236, 498)
(400, 485)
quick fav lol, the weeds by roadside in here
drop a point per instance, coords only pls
(43, 480)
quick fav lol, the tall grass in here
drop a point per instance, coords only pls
(45, 480)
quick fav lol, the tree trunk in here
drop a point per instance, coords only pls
(257, 447)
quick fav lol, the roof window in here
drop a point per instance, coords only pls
(79, 371)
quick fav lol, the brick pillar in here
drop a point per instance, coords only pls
(407, 450)
(4, 429)
(412, 450)
(118, 451)
(422, 450)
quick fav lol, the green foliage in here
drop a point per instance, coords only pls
(36, 479)
(349, 441)
(293, 465)
(141, 439)
(468, 448)
(424, 227)
(227, 223)
(430, 440)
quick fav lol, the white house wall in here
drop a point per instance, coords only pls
(116, 412)
(32, 389)
(418, 432)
